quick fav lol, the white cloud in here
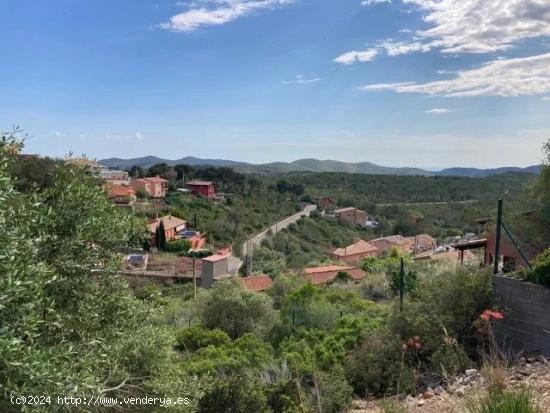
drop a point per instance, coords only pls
(546, 98)
(372, 2)
(396, 48)
(481, 26)
(216, 12)
(356, 56)
(501, 77)
(438, 111)
(301, 80)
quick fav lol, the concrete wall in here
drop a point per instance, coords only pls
(526, 324)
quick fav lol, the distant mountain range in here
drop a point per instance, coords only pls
(313, 165)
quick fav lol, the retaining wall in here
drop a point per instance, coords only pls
(526, 325)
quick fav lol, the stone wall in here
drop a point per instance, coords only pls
(526, 325)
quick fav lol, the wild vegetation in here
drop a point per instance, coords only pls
(72, 326)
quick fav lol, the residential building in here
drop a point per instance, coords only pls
(214, 268)
(115, 177)
(510, 258)
(325, 203)
(204, 189)
(352, 216)
(154, 187)
(328, 273)
(422, 242)
(355, 252)
(257, 283)
(120, 194)
(397, 242)
(172, 225)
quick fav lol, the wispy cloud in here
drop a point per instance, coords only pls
(356, 56)
(468, 26)
(216, 12)
(438, 111)
(501, 77)
(546, 98)
(373, 2)
(136, 136)
(301, 80)
(481, 26)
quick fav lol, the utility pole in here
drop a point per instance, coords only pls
(401, 284)
(194, 278)
(249, 258)
(497, 237)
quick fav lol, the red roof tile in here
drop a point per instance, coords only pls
(257, 283)
(359, 247)
(323, 275)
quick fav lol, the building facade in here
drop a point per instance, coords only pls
(204, 189)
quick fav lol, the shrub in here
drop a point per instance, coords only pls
(518, 401)
(237, 394)
(373, 368)
(331, 391)
(196, 337)
(374, 286)
(231, 308)
(177, 246)
(147, 292)
(540, 272)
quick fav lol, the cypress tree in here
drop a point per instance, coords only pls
(161, 243)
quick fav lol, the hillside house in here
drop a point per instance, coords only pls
(325, 203)
(422, 243)
(355, 252)
(114, 176)
(257, 283)
(120, 194)
(510, 258)
(203, 189)
(214, 268)
(328, 273)
(352, 216)
(154, 187)
(172, 225)
(397, 242)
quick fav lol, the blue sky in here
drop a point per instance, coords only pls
(429, 83)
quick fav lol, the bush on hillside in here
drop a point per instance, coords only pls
(179, 246)
(235, 310)
(540, 273)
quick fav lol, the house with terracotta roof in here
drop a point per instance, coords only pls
(256, 283)
(397, 242)
(203, 189)
(120, 194)
(154, 187)
(352, 216)
(328, 273)
(422, 242)
(172, 225)
(355, 252)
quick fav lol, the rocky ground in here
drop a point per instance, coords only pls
(530, 372)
